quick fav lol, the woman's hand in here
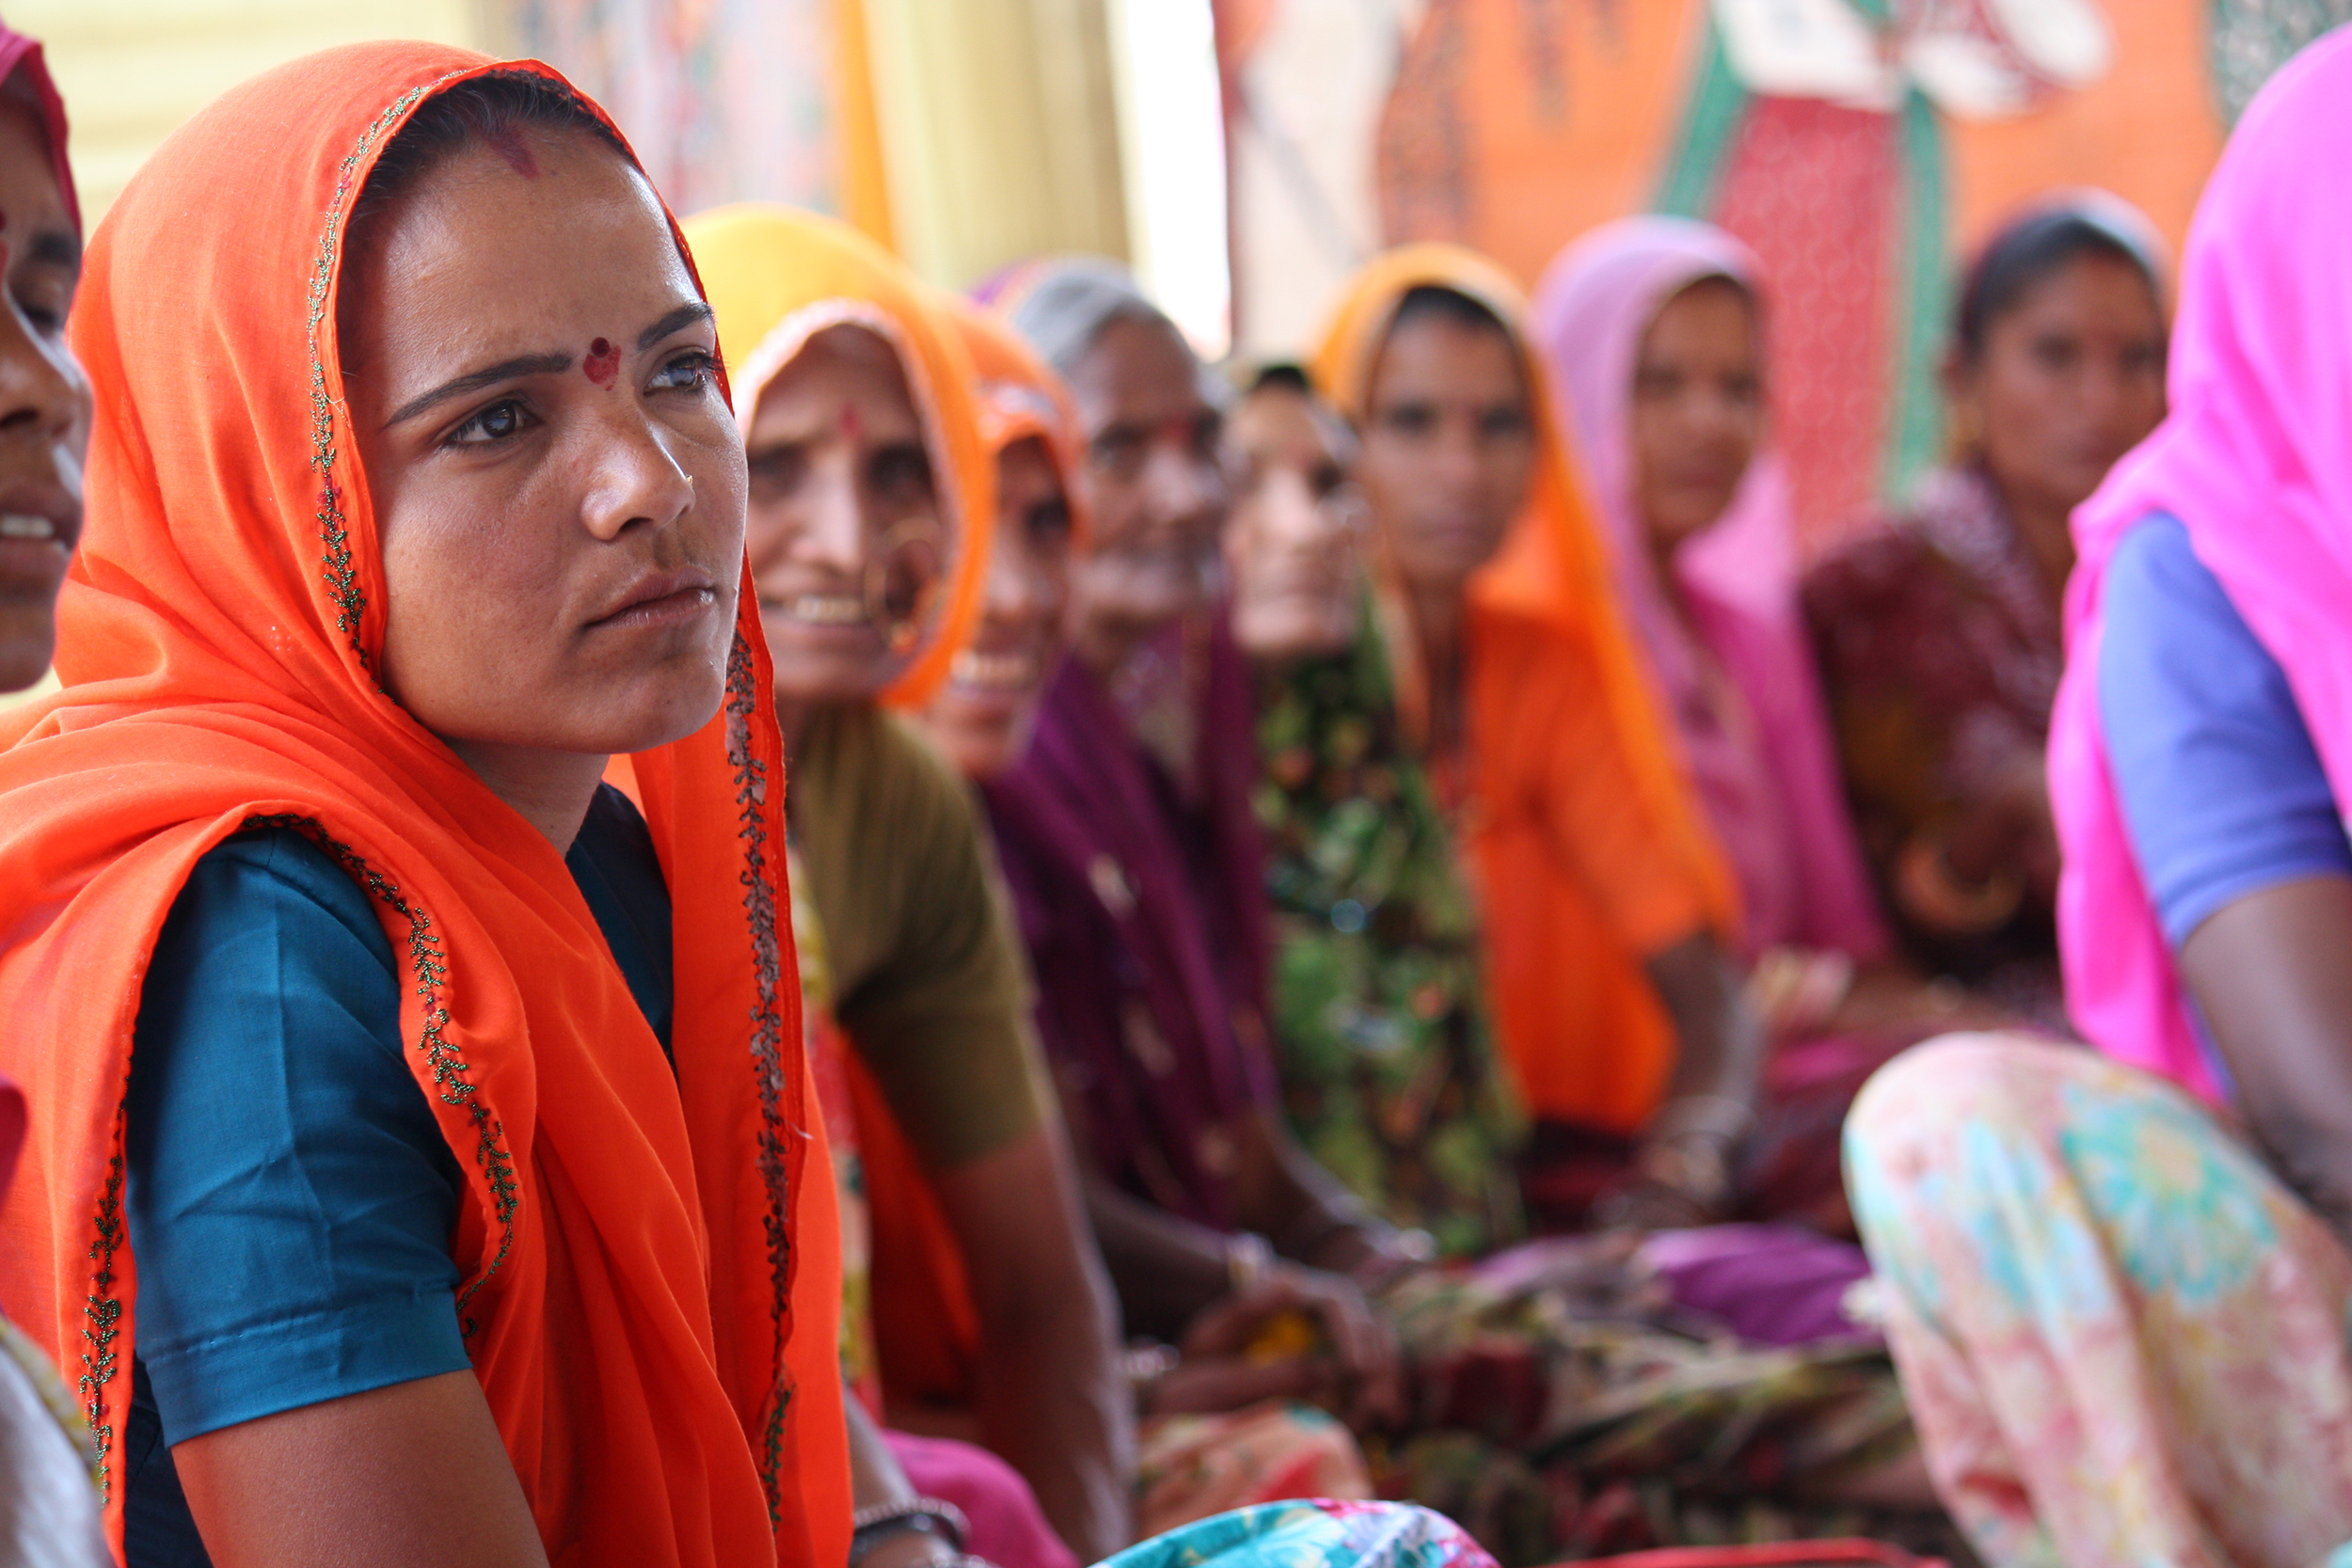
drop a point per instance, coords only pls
(1298, 1333)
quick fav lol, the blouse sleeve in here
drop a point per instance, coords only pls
(2222, 790)
(289, 1193)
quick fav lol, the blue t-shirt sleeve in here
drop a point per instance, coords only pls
(2223, 793)
(289, 1195)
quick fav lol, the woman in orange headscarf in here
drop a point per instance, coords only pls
(872, 511)
(1606, 910)
(413, 499)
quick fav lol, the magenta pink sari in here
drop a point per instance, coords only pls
(1761, 755)
(2256, 461)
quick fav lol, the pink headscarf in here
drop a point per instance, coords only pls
(1771, 785)
(2255, 462)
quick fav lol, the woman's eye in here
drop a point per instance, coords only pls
(502, 421)
(688, 372)
(46, 309)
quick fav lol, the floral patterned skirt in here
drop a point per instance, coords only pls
(2124, 1340)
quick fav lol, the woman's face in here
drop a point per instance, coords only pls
(44, 397)
(1297, 523)
(984, 715)
(1449, 447)
(1697, 410)
(2071, 377)
(846, 542)
(558, 484)
(1154, 491)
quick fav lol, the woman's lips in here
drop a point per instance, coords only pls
(661, 599)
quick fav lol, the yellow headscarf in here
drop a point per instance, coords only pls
(778, 276)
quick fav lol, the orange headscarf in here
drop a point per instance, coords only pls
(778, 277)
(1021, 397)
(1551, 672)
(650, 1270)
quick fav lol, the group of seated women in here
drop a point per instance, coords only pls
(687, 903)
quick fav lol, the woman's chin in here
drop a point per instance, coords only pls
(984, 734)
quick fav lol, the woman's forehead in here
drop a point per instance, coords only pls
(847, 361)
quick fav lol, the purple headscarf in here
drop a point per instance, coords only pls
(2254, 462)
(1768, 776)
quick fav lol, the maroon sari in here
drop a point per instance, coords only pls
(1140, 890)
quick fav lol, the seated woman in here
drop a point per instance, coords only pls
(870, 502)
(1215, 1434)
(1937, 628)
(1135, 863)
(1608, 914)
(419, 1167)
(2121, 1280)
(1381, 1040)
(1651, 331)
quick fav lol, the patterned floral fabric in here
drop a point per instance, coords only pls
(1556, 1427)
(1188, 1467)
(1388, 1069)
(1322, 1533)
(2124, 1340)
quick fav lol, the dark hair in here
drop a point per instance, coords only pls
(495, 110)
(1436, 302)
(2023, 257)
(1281, 376)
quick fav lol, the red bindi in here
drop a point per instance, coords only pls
(849, 422)
(603, 362)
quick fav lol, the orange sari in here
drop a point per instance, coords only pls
(648, 1262)
(1587, 852)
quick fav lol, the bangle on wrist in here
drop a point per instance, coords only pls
(1934, 893)
(870, 1527)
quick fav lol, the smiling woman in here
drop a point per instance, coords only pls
(454, 1187)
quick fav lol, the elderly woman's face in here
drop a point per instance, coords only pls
(985, 713)
(558, 484)
(1154, 491)
(44, 398)
(846, 536)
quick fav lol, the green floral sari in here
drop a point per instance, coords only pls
(1389, 1070)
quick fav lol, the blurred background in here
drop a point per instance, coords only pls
(1244, 155)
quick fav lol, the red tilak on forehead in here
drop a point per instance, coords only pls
(510, 146)
(603, 362)
(849, 426)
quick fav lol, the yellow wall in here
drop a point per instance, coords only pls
(130, 71)
(999, 132)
